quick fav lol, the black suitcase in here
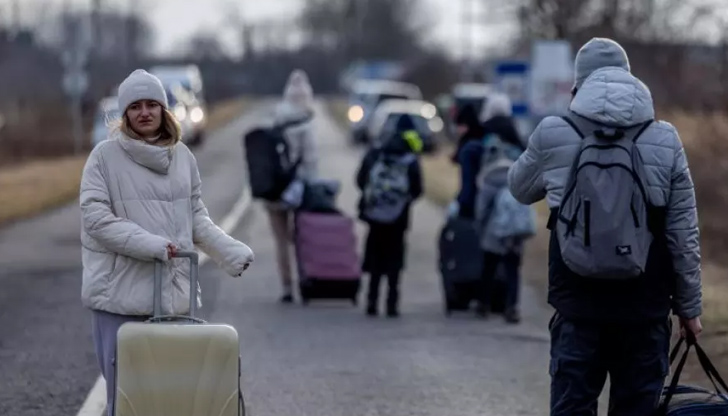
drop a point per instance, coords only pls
(682, 400)
(460, 263)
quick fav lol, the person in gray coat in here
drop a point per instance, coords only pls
(621, 328)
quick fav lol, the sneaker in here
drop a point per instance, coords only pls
(392, 313)
(371, 311)
(287, 298)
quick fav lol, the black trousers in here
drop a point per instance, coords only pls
(392, 294)
(511, 263)
(582, 354)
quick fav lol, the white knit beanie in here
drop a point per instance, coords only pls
(141, 85)
(496, 104)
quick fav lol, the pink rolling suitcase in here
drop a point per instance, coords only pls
(326, 252)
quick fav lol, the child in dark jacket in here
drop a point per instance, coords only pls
(390, 180)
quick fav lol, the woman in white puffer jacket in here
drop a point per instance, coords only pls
(141, 201)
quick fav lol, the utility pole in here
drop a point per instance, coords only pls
(95, 24)
(16, 17)
(467, 33)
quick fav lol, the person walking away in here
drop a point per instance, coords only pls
(624, 247)
(297, 105)
(497, 122)
(468, 128)
(390, 180)
(503, 223)
(141, 201)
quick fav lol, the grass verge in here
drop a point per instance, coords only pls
(33, 187)
(30, 188)
(226, 111)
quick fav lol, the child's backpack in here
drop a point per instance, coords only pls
(508, 218)
(270, 168)
(602, 223)
(387, 192)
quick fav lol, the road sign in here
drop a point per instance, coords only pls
(551, 77)
(512, 78)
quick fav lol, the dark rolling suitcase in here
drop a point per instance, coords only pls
(460, 263)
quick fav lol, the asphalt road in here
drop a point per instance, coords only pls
(323, 359)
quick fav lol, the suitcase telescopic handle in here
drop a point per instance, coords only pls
(194, 259)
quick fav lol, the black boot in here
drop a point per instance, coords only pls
(373, 295)
(512, 316)
(393, 296)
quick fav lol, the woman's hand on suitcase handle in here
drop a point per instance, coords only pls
(171, 250)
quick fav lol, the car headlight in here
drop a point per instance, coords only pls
(436, 124)
(356, 114)
(197, 115)
(428, 111)
(180, 112)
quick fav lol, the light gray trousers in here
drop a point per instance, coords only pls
(105, 327)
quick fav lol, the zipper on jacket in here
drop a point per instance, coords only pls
(634, 215)
(587, 221)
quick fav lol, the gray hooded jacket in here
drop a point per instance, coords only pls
(614, 97)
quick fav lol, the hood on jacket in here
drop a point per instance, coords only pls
(298, 91)
(404, 139)
(497, 104)
(156, 158)
(467, 117)
(614, 97)
(505, 129)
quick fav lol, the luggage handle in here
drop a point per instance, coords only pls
(691, 341)
(194, 259)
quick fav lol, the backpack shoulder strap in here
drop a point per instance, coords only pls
(642, 129)
(573, 125)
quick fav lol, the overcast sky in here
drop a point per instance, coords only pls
(176, 20)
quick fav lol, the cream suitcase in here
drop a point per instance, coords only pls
(178, 365)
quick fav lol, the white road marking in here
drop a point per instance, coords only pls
(95, 402)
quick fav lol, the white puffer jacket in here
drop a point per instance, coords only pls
(135, 199)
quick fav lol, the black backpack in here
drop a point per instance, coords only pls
(270, 168)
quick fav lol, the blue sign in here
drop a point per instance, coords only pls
(511, 78)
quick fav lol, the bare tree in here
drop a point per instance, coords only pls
(205, 46)
(367, 29)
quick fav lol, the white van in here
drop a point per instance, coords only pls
(366, 95)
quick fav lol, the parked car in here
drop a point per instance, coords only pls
(463, 94)
(186, 80)
(367, 95)
(188, 113)
(107, 112)
(422, 113)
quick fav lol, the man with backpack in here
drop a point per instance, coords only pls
(390, 180)
(624, 247)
